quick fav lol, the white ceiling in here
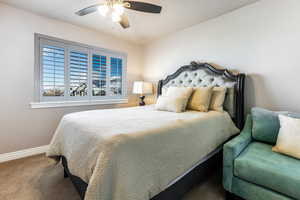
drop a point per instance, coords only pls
(176, 15)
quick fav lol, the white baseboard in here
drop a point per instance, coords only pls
(23, 153)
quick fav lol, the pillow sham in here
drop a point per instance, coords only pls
(200, 99)
(164, 91)
(174, 99)
(182, 92)
(229, 102)
(288, 141)
(171, 104)
(217, 99)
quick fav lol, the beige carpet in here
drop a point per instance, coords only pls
(39, 178)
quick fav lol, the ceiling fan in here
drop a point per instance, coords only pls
(117, 8)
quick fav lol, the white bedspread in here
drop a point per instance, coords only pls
(134, 153)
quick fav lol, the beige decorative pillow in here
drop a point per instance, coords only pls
(171, 104)
(200, 99)
(288, 141)
(217, 99)
(229, 103)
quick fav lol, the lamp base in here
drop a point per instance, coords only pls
(142, 103)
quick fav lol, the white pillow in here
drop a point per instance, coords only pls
(174, 100)
(171, 104)
(288, 141)
(164, 91)
(217, 99)
(182, 92)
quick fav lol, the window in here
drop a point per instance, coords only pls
(81, 74)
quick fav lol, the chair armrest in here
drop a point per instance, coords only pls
(232, 150)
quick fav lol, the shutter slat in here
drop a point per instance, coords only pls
(54, 61)
(78, 66)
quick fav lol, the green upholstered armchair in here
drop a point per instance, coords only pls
(251, 170)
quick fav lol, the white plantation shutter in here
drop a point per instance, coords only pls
(67, 71)
(53, 71)
(116, 75)
(78, 75)
(99, 71)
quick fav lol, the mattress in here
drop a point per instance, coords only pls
(135, 153)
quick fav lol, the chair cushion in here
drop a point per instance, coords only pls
(259, 165)
(265, 125)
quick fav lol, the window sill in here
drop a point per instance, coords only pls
(59, 104)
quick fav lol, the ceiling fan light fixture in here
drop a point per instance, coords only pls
(118, 8)
(116, 17)
(103, 10)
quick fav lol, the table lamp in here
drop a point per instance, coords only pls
(142, 88)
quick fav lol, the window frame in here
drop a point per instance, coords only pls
(41, 101)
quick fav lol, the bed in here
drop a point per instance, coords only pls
(140, 153)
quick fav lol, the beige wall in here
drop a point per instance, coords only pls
(20, 126)
(262, 40)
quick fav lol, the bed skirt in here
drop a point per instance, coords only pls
(175, 191)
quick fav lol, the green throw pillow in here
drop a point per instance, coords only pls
(265, 125)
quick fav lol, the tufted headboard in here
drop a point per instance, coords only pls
(204, 74)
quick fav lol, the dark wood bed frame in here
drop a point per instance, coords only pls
(202, 171)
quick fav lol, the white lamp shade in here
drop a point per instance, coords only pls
(141, 87)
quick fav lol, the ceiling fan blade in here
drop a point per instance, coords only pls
(124, 22)
(142, 6)
(88, 10)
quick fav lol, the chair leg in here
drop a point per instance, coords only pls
(65, 174)
(228, 196)
(231, 196)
